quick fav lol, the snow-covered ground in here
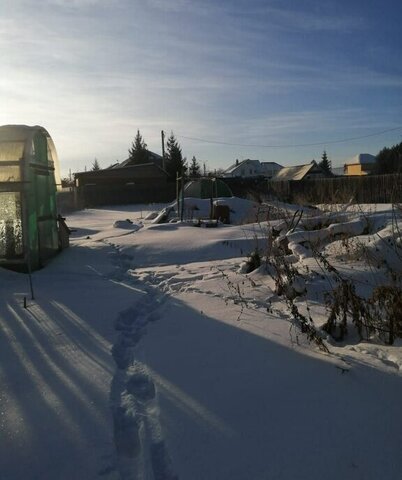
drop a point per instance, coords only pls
(147, 353)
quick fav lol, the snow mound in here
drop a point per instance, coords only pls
(127, 225)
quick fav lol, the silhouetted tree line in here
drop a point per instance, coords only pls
(389, 160)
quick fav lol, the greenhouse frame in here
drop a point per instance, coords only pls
(207, 188)
(29, 178)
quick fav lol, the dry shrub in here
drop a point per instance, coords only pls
(380, 314)
(345, 304)
(386, 304)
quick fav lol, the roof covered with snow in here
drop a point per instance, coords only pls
(152, 158)
(248, 167)
(236, 165)
(362, 158)
(272, 164)
(297, 172)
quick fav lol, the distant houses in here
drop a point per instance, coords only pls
(361, 164)
(273, 171)
(251, 169)
(126, 182)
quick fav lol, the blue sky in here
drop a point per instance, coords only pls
(247, 72)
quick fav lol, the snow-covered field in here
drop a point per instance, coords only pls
(149, 353)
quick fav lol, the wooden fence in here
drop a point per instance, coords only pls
(367, 189)
(364, 189)
(89, 196)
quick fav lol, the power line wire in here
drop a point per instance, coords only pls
(344, 140)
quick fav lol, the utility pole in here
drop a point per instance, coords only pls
(163, 149)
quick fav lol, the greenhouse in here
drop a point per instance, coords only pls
(207, 188)
(29, 176)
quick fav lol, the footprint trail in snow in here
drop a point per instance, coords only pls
(141, 451)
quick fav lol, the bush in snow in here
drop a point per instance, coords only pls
(387, 299)
(253, 261)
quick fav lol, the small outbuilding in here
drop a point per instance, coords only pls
(29, 175)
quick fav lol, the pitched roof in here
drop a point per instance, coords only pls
(295, 173)
(248, 161)
(272, 163)
(152, 158)
(362, 159)
(233, 167)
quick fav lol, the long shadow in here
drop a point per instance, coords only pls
(61, 355)
(61, 411)
(55, 368)
(236, 405)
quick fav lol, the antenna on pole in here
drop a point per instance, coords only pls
(163, 149)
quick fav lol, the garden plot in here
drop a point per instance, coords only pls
(165, 351)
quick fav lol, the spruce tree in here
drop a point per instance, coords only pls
(175, 163)
(194, 169)
(138, 152)
(325, 163)
(95, 165)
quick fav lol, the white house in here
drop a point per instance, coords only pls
(252, 168)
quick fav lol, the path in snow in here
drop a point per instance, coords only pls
(139, 441)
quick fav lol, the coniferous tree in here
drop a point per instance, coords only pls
(325, 163)
(389, 160)
(174, 158)
(95, 165)
(138, 152)
(194, 169)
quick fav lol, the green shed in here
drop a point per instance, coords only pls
(207, 188)
(29, 176)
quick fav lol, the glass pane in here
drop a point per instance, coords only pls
(10, 226)
(9, 173)
(11, 151)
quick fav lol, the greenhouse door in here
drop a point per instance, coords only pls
(11, 245)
